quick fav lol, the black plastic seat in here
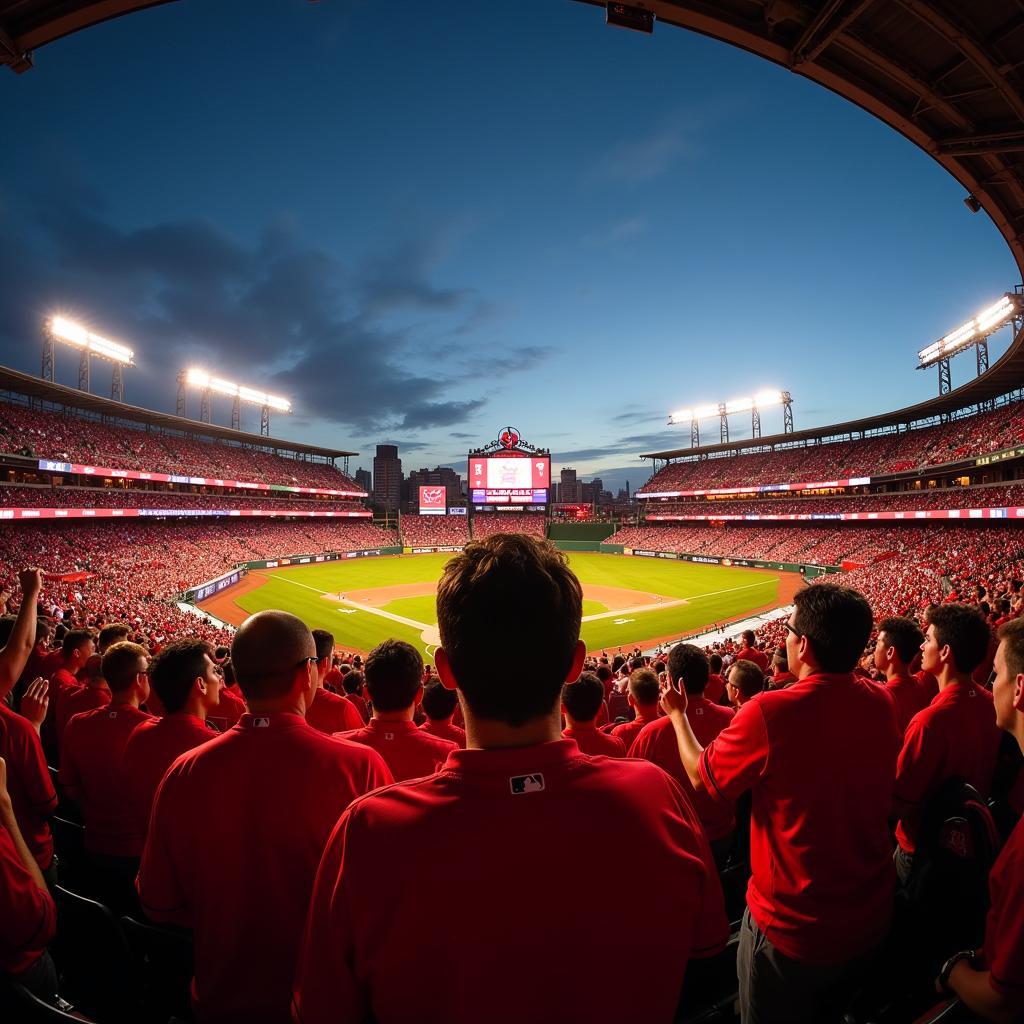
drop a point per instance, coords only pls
(19, 1006)
(163, 961)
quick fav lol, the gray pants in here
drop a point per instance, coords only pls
(777, 990)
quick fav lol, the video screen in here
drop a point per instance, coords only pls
(503, 480)
(433, 501)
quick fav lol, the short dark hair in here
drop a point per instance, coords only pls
(173, 671)
(644, 686)
(689, 663)
(583, 698)
(228, 668)
(352, 680)
(604, 673)
(1012, 635)
(111, 633)
(120, 664)
(324, 643)
(496, 592)
(75, 638)
(904, 634)
(747, 636)
(746, 677)
(394, 672)
(438, 701)
(715, 663)
(966, 633)
(837, 621)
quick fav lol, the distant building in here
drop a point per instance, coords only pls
(570, 490)
(387, 477)
(364, 478)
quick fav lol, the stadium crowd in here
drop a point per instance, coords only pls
(793, 789)
(434, 531)
(66, 437)
(531, 524)
(963, 438)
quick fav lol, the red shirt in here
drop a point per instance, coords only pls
(62, 685)
(780, 680)
(27, 912)
(445, 731)
(592, 741)
(1004, 928)
(152, 748)
(909, 697)
(657, 744)
(228, 711)
(91, 759)
(929, 682)
(330, 713)
(759, 658)
(715, 688)
(408, 751)
(628, 731)
(492, 826)
(956, 735)
(78, 701)
(360, 705)
(29, 783)
(820, 759)
(239, 872)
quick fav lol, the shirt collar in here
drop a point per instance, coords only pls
(272, 720)
(501, 761)
(380, 725)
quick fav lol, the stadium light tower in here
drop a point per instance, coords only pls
(723, 410)
(208, 385)
(59, 328)
(975, 332)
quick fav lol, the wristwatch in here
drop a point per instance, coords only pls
(947, 968)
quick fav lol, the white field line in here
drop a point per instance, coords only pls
(362, 607)
(641, 608)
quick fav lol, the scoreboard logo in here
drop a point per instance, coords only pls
(509, 438)
(432, 500)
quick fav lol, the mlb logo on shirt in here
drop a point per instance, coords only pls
(526, 784)
(389, 735)
(261, 723)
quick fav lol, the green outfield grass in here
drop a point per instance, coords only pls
(713, 593)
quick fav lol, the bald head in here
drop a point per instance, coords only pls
(268, 650)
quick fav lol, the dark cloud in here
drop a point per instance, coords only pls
(276, 314)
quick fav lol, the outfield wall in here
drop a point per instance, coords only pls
(804, 568)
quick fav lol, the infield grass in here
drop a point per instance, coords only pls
(712, 593)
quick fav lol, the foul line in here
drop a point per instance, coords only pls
(644, 608)
(362, 607)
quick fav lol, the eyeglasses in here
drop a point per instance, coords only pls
(794, 631)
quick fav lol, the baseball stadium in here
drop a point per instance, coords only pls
(806, 641)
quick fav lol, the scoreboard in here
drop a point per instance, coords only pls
(509, 478)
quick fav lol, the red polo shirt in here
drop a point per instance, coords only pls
(956, 735)
(92, 759)
(1004, 929)
(239, 872)
(62, 685)
(78, 701)
(360, 705)
(29, 783)
(628, 731)
(909, 697)
(592, 741)
(929, 682)
(151, 749)
(495, 826)
(657, 744)
(27, 912)
(228, 711)
(330, 713)
(759, 658)
(715, 688)
(445, 731)
(819, 759)
(408, 751)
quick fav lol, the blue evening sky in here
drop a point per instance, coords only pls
(425, 222)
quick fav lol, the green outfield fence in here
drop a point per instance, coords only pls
(579, 536)
(804, 568)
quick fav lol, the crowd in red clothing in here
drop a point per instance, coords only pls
(434, 531)
(67, 437)
(314, 848)
(842, 460)
(529, 523)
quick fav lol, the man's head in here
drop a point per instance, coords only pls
(111, 634)
(394, 676)
(124, 668)
(275, 659)
(689, 664)
(352, 681)
(324, 651)
(184, 673)
(644, 689)
(715, 663)
(439, 702)
(77, 646)
(745, 681)
(747, 636)
(1008, 686)
(828, 629)
(582, 700)
(495, 593)
(956, 641)
(899, 641)
(780, 663)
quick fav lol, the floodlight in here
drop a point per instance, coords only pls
(702, 412)
(680, 416)
(223, 387)
(197, 378)
(974, 331)
(68, 331)
(281, 404)
(75, 334)
(739, 405)
(763, 399)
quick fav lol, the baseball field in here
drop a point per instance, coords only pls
(627, 601)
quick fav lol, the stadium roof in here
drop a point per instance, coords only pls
(23, 384)
(26, 25)
(947, 75)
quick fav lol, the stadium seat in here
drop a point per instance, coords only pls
(69, 844)
(163, 962)
(710, 988)
(91, 952)
(19, 1006)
